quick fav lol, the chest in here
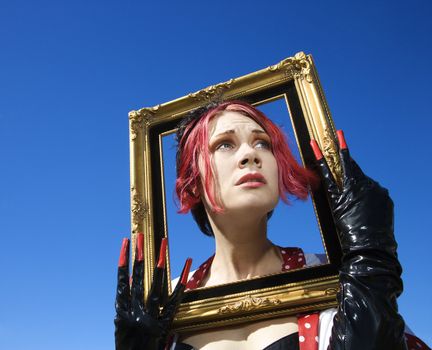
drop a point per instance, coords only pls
(254, 336)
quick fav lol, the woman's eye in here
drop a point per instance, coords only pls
(224, 146)
(263, 144)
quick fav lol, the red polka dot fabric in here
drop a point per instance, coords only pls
(307, 324)
(199, 275)
(414, 343)
(293, 258)
(308, 331)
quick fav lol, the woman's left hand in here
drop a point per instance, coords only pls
(362, 209)
(367, 315)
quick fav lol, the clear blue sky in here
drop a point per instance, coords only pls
(71, 71)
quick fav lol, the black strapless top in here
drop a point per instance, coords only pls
(290, 342)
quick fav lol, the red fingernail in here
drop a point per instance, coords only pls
(341, 138)
(316, 150)
(185, 274)
(162, 253)
(140, 247)
(124, 253)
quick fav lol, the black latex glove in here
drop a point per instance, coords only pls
(139, 326)
(367, 316)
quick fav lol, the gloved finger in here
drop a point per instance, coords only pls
(327, 176)
(155, 295)
(345, 158)
(122, 302)
(137, 294)
(176, 297)
(357, 172)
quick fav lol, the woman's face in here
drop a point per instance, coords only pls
(245, 169)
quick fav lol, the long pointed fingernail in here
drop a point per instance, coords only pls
(316, 150)
(341, 138)
(185, 274)
(140, 247)
(124, 253)
(162, 254)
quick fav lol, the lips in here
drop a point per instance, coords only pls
(251, 178)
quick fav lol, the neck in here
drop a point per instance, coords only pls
(242, 249)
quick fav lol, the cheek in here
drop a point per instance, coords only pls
(222, 170)
(273, 171)
(202, 171)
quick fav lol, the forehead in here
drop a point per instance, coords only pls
(229, 120)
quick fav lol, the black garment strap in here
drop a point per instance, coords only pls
(183, 346)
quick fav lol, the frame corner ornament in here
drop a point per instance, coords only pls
(297, 67)
(141, 118)
(212, 91)
(248, 303)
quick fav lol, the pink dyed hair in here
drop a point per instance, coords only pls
(293, 178)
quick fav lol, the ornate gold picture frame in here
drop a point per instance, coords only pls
(296, 81)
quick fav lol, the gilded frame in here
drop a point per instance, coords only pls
(295, 78)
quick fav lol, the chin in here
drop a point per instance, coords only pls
(258, 207)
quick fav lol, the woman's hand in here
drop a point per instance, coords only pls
(367, 315)
(139, 326)
(362, 209)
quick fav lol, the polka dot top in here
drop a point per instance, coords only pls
(308, 325)
(292, 258)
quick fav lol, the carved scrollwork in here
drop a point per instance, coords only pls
(211, 92)
(248, 303)
(141, 118)
(330, 152)
(139, 209)
(295, 67)
(136, 123)
(331, 291)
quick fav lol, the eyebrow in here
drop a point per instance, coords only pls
(231, 131)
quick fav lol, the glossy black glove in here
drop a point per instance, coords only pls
(139, 326)
(367, 316)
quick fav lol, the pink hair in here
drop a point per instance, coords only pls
(293, 178)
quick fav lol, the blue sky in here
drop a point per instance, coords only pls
(71, 71)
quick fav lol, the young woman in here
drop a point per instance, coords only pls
(233, 165)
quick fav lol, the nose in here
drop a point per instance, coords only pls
(249, 157)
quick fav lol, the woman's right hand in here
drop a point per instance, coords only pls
(139, 326)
